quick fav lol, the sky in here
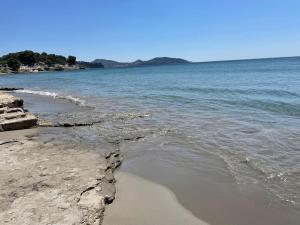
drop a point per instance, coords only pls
(126, 30)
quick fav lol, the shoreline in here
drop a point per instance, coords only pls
(43, 138)
(43, 71)
(204, 194)
(210, 193)
(150, 203)
(51, 167)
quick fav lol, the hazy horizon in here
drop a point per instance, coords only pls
(208, 61)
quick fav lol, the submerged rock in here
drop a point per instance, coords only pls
(10, 89)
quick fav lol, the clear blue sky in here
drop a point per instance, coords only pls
(198, 30)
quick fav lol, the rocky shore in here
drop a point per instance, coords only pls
(46, 182)
(40, 68)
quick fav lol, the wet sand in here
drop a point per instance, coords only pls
(208, 191)
(139, 201)
(45, 106)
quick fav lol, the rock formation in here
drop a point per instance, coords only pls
(12, 114)
(45, 184)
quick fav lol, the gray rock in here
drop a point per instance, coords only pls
(45, 184)
(10, 89)
(12, 114)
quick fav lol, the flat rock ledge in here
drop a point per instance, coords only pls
(12, 114)
(50, 184)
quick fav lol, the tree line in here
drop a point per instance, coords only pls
(30, 58)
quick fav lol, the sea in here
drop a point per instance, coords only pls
(245, 114)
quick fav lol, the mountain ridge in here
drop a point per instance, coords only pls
(152, 62)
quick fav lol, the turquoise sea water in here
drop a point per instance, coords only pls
(245, 112)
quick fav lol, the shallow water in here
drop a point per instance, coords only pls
(246, 114)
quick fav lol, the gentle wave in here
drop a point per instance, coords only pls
(272, 106)
(281, 184)
(232, 91)
(283, 108)
(53, 95)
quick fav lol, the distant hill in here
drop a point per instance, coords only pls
(155, 61)
(29, 61)
(161, 61)
(84, 64)
(110, 63)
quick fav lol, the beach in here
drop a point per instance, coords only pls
(140, 201)
(153, 112)
(212, 143)
(49, 179)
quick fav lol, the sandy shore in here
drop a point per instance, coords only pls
(48, 182)
(139, 201)
(210, 193)
(166, 188)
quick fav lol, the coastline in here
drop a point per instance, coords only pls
(205, 192)
(33, 70)
(74, 183)
(209, 192)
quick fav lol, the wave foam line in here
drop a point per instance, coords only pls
(53, 95)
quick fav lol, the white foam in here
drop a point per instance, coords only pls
(53, 95)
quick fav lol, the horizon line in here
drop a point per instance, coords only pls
(204, 61)
(208, 61)
(245, 59)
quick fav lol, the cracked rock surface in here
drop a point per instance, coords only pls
(43, 184)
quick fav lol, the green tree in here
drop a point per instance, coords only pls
(60, 59)
(13, 64)
(30, 58)
(71, 60)
(43, 57)
(27, 58)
